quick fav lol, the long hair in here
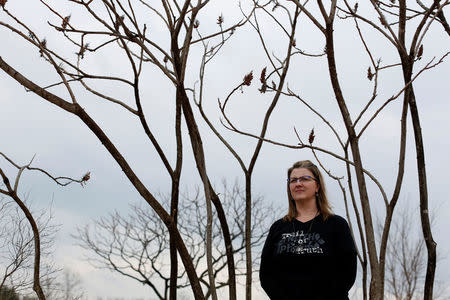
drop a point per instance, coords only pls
(321, 197)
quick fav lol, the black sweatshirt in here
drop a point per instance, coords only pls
(315, 260)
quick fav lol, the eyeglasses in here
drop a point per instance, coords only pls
(302, 179)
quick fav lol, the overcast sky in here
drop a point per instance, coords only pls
(64, 146)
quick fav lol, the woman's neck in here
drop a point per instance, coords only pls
(306, 210)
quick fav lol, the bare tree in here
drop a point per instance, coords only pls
(72, 286)
(123, 29)
(405, 258)
(8, 293)
(36, 236)
(137, 246)
(65, 285)
(17, 247)
(26, 256)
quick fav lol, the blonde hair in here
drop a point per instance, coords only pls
(321, 196)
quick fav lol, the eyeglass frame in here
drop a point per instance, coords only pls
(301, 179)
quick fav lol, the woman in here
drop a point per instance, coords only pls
(309, 253)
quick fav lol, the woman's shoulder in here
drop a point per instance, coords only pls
(337, 220)
(279, 223)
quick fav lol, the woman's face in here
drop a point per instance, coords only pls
(305, 187)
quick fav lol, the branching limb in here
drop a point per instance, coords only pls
(352, 12)
(428, 66)
(310, 16)
(60, 180)
(290, 93)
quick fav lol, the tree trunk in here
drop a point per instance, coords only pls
(407, 66)
(174, 202)
(248, 235)
(423, 191)
(228, 244)
(376, 287)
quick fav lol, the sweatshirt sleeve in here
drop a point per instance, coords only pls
(266, 266)
(346, 259)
